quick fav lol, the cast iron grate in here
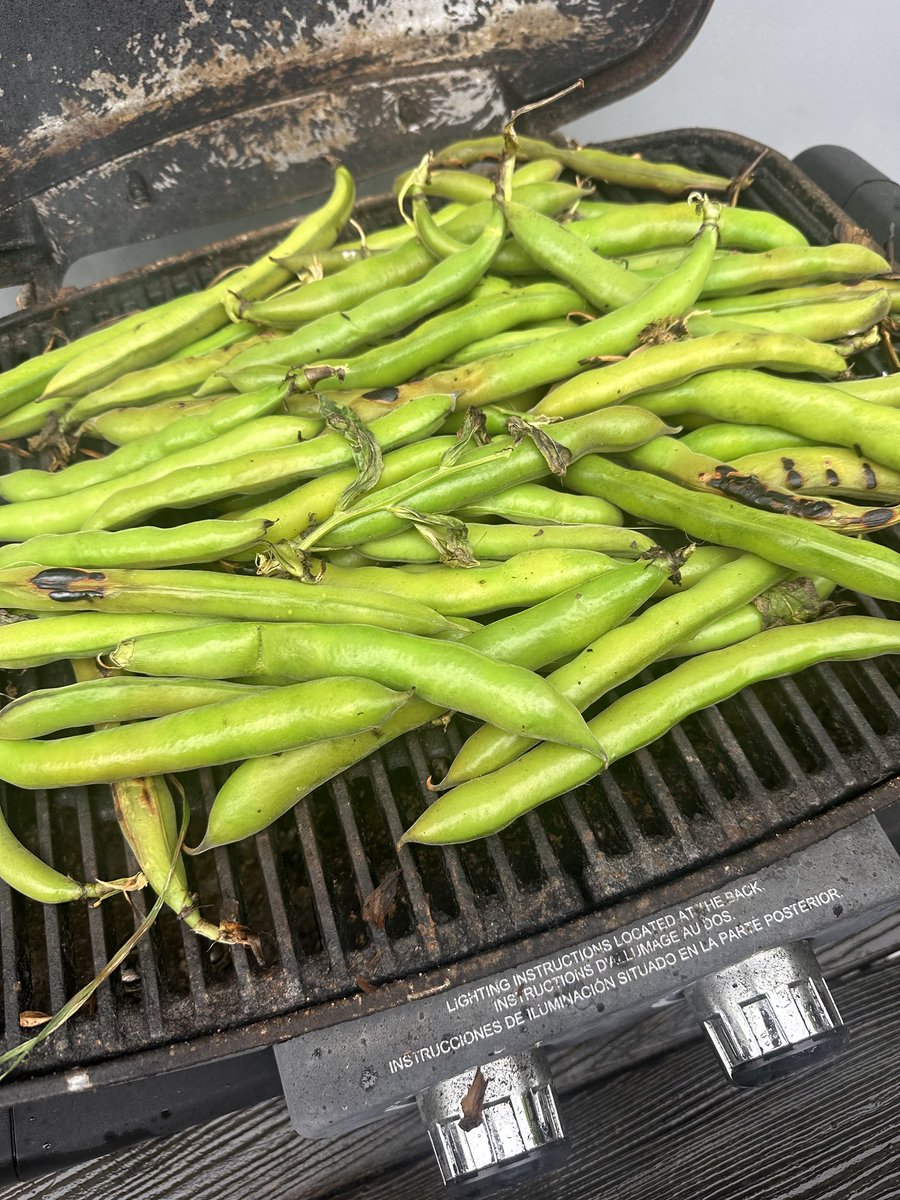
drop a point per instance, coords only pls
(723, 779)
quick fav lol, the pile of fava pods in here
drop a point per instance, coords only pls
(495, 460)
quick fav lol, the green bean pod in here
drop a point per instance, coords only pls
(676, 461)
(793, 602)
(445, 673)
(23, 383)
(512, 339)
(405, 357)
(822, 470)
(489, 804)
(99, 701)
(781, 298)
(192, 429)
(256, 472)
(727, 441)
(498, 542)
(623, 652)
(185, 545)
(32, 877)
(798, 545)
(883, 389)
(559, 252)
(818, 411)
(262, 723)
(170, 328)
(829, 321)
(651, 367)
(344, 254)
(260, 790)
(735, 274)
(33, 643)
(402, 265)
(523, 579)
(29, 419)
(212, 593)
(535, 504)
(592, 162)
(627, 228)
(28, 518)
(123, 425)
(174, 377)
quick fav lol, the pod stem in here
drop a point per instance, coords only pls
(102, 889)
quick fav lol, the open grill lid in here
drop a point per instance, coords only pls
(122, 125)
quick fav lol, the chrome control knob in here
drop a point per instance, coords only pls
(502, 1117)
(769, 1015)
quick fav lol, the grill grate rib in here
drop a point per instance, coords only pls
(778, 753)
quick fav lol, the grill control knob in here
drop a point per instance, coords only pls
(502, 1117)
(769, 1015)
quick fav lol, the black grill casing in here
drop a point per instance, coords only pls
(740, 782)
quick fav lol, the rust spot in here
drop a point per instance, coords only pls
(831, 477)
(869, 476)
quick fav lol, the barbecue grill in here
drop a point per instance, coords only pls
(752, 826)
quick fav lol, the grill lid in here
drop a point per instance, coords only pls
(116, 131)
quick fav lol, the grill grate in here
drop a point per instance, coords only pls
(725, 778)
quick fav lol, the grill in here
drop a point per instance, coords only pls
(729, 791)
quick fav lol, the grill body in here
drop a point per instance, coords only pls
(731, 790)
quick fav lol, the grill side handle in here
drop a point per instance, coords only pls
(861, 190)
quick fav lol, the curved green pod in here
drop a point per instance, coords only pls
(449, 674)
(228, 731)
(489, 804)
(103, 700)
(504, 541)
(185, 545)
(621, 653)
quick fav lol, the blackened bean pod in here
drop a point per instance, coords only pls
(675, 461)
(798, 545)
(822, 470)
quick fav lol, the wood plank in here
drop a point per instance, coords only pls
(667, 1129)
